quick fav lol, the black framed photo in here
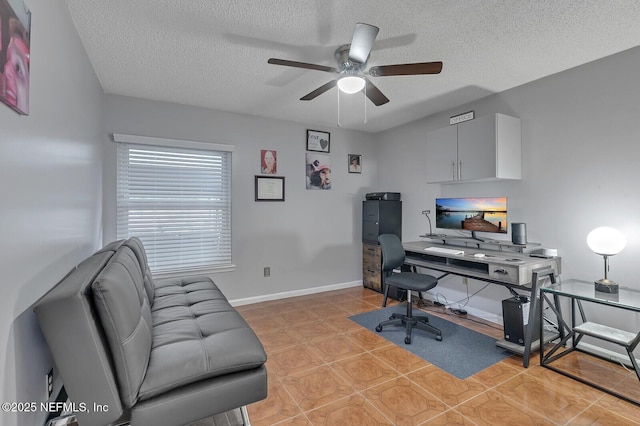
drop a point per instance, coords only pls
(269, 188)
(355, 163)
(318, 141)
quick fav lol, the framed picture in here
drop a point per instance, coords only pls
(318, 141)
(269, 188)
(355, 163)
(318, 171)
(268, 162)
(15, 54)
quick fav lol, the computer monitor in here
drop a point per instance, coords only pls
(479, 214)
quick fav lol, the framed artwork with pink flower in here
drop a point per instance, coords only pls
(15, 54)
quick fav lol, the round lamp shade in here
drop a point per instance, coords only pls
(351, 84)
(606, 241)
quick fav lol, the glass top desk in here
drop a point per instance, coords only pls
(605, 373)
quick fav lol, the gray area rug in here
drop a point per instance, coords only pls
(462, 352)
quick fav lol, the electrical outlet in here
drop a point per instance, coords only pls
(267, 271)
(49, 378)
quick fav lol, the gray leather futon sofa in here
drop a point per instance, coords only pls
(145, 351)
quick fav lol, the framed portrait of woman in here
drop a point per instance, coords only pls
(15, 55)
(355, 163)
(268, 162)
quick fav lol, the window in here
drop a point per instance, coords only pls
(177, 200)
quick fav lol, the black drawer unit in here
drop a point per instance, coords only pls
(378, 217)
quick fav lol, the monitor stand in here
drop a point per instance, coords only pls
(474, 236)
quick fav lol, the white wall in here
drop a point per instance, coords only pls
(50, 215)
(581, 144)
(311, 240)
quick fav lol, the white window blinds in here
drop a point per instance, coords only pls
(178, 202)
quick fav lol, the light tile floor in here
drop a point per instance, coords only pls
(324, 369)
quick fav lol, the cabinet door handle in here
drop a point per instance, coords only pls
(460, 170)
(453, 170)
(501, 271)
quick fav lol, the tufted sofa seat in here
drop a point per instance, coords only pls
(155, 352)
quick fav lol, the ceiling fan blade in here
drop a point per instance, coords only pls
(319, 91)
(374, 94)
(393, 42)
(406, 69)
(362, 42)
(304, 65)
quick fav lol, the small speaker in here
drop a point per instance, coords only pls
(519, 233)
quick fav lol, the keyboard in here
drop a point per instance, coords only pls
(443, 250)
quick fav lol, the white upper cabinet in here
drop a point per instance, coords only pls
(486, 148)
(442, 154)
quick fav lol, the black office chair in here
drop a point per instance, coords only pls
(393, 257)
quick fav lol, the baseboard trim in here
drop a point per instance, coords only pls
(294, 293)
(487, 316)
(608, 354)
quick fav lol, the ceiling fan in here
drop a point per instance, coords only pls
(352, 61)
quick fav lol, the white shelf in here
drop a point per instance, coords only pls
(535, 345)
(604, 332)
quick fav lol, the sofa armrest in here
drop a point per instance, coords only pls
(70, 327)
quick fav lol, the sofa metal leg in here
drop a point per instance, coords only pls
(63, 420)
(245, 416)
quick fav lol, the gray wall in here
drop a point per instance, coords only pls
(50, 215)
(311, 240)
(581, 144)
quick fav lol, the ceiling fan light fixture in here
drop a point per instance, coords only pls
(351, 84)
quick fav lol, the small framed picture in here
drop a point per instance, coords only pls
(318, 141)
(355, 163)
(269, 188)
(268, 161)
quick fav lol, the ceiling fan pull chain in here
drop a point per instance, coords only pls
(339, 108)
(365, 104)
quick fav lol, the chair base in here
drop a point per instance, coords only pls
(410, 322)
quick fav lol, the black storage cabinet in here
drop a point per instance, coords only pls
(378, 217)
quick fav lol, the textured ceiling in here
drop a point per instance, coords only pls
(213, 54)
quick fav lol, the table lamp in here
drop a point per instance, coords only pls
(606, 241)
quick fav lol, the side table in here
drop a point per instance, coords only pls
(580, 293)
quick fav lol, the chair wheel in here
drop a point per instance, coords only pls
(439, 338)
(379, 329)
(407, 340)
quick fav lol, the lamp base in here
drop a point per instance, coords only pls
(606, 286)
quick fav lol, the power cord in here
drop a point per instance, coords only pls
(441, 308)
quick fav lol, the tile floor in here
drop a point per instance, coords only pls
(326, 370)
